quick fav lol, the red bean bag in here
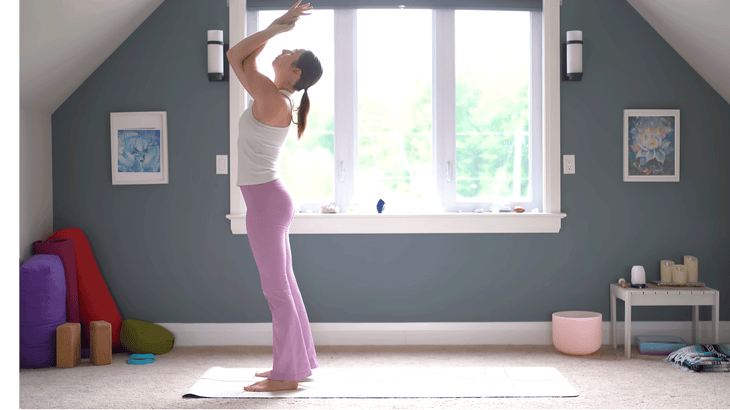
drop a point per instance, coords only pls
(95, 301)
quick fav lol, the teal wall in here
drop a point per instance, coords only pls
(167, 253)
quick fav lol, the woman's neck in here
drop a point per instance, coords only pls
(282, 85)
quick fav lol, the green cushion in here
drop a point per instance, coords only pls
(145, 337)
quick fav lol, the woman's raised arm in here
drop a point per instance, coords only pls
(243, 55)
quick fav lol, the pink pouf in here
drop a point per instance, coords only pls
(576, 332)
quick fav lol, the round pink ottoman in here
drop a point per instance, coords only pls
(576, 332)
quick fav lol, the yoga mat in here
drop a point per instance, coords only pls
(64, 248)
(401, 382)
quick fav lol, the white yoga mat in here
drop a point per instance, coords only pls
(401, 382)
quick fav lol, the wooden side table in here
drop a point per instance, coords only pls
(654, 295)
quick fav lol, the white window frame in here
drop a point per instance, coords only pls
(444, 116)
(547, 221)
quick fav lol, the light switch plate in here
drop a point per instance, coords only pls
(221, 164)
(569, 164)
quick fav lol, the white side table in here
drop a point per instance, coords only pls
(654, 295)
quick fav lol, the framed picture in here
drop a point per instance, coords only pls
(651, 145)
(139, 148)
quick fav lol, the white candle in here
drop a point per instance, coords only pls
(691, 263)
(666, 269)
(679, 274)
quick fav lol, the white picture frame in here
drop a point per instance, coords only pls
(139, 148)
(651, 146)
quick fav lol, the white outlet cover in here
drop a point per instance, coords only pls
(221, 164)
(569, 164)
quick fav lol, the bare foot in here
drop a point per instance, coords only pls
(272, 385)
(264, 374)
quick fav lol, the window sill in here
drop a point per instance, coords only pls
(350, 223)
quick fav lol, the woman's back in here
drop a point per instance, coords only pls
(259, 148)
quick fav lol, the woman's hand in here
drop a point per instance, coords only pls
(289, 19)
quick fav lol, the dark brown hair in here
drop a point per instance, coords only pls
(311, 72)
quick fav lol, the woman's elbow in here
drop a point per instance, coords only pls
(249, 63)
(230, 57)
(233, 59)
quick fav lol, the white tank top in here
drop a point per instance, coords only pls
(259, 148)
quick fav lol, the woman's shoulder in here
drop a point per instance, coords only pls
(275, 110)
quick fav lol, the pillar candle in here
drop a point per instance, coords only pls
(666, 269)
(691, 263)
(679, 274)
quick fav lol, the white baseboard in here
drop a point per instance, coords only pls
(460, 333)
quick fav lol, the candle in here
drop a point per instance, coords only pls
(691, 263)
(679, 274)
(666, 267)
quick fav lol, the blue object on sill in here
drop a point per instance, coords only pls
(659, 345)
(381, 206)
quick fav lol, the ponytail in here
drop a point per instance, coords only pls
(302, 112)
(311, 72)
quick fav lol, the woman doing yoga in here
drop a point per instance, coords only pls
(263, 129)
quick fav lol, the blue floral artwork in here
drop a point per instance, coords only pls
(651, 145)
(138, 151)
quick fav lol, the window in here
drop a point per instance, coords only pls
(394, 131)
(495, 117)
(437, 112)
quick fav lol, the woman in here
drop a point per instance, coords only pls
(263, 128)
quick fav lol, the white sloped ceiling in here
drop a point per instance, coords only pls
(700, 32)
(63, 41)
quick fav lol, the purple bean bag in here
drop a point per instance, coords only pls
(65, 249)
(42, 309)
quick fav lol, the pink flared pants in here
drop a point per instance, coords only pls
(269, 214)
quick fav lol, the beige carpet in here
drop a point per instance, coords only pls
(603, 380)
(393, 382)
